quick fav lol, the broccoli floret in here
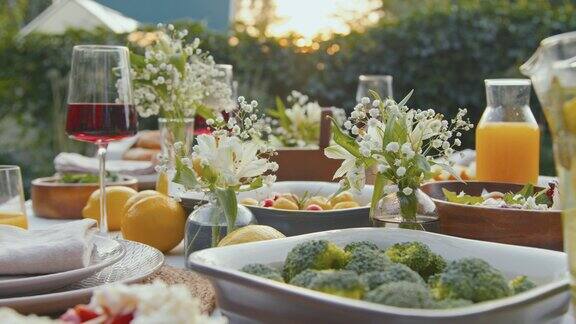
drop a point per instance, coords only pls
(471, 278)
(304, 278)
(521, 284)
(417, 256)
(392, 273)
(363, 244)
(318, 255)
(401, 294)
(338, 282)
(452, 303)
(364, 260)
(262, 270)
(436, 265)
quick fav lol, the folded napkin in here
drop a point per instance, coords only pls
(53, 249)
(73, 162)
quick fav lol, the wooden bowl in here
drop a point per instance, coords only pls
(51, 199)
(533, 228)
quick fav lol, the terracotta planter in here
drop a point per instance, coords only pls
(308, 164)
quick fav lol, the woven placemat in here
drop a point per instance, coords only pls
(199, 286)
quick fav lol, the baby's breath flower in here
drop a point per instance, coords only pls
(365, 100)
(393, 147)
(401, 171)
(407, 191)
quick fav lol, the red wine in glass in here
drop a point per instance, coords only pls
(101, 122)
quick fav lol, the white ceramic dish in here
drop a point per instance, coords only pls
(106, 252)
(296, 222)
(139, 262)
(250, 299)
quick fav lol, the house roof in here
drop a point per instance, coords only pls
(78, 14)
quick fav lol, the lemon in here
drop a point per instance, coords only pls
(162, 183)
(251, 233)
(116, 197)
(569, 111)
(139, 196)
(157, 221)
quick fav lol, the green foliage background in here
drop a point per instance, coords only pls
(443, 51)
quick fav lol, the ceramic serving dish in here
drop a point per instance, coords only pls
(541, 229)
(296, 222)
(246, 298)
(52, 199)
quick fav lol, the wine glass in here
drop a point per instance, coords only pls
(12, 210)
(382, 84)
(100, 103)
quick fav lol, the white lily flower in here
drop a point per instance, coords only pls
(337, 152)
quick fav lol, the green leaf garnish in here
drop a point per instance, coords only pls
(461, 199)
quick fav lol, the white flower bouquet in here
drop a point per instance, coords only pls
(173, 79)
(400, 143)
(297, 123)
(233, 158)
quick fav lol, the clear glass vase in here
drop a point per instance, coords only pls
(207, 225)
(173, 130)
(416, 211)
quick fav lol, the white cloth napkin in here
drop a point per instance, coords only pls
(53, 249)
(73, 162)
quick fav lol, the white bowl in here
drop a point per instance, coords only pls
(296, 222)
(249, 299)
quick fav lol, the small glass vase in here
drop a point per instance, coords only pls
(417, 212)
(207, 225)
(173, 130)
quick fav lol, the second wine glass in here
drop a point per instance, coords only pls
(100, 103)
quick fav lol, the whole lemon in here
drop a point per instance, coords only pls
(116, 197)
(139, 196)
(157, 221)
(251, 233)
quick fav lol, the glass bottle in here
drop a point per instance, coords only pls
(507, 136)
(382, 84)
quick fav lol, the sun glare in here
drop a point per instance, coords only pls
(313, 18)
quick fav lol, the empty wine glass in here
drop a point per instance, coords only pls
(100, 103)
(382, 84)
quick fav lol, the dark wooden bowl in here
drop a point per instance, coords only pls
(542, 229)
(52, 199)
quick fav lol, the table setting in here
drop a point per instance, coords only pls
(297, 213)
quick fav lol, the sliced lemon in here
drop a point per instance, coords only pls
(251, 233)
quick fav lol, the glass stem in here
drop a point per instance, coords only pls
(102, 181)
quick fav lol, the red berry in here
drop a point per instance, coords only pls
(314, 207)
(122, 319)
(85, 313)
(268, 202)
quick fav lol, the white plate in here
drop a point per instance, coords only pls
(106, 251)
(138, 262)
(250, 299)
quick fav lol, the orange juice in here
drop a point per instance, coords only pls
(508, 152)
(14, 218)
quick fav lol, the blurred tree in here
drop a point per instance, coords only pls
(255, 16)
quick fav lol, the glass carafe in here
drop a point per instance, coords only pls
(553, 72)
(507, 136)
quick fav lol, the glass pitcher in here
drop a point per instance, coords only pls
(553, 72)
(507, 136)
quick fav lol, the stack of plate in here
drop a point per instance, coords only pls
(112, 261)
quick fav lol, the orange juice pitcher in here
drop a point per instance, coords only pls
(507, 136)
